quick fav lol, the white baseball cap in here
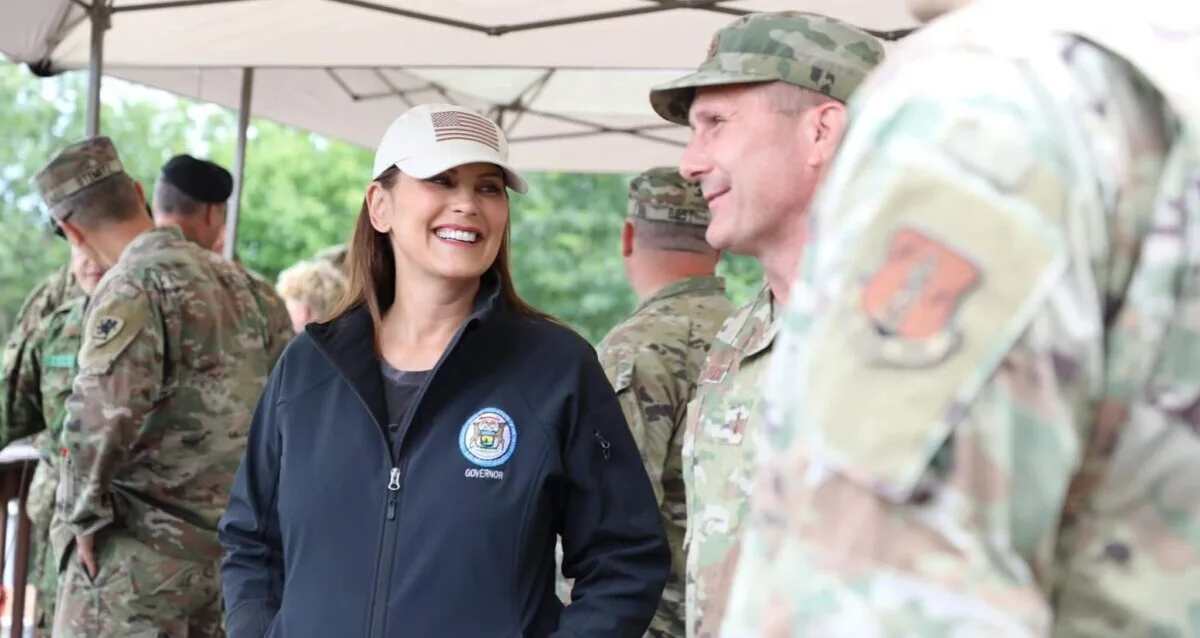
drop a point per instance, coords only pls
(431, 138)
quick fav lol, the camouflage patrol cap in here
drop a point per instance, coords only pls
(77, 167)
(662, 194)
(804, 49)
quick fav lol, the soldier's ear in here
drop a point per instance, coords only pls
(627, 240)
(827, 123)
(72, 234)
(137, 186)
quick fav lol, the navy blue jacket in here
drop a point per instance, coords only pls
(516, 437)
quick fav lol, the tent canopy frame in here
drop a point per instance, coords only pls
(101, 12)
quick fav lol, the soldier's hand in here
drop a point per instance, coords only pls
(85, 545)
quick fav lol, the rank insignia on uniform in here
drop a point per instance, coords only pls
(488, 438)
(910, 301)
(106, 328)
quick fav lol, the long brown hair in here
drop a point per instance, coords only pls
(371, 268)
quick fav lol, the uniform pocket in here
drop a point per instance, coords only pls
(625, 387)
(39, 505)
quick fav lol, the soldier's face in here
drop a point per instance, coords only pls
(926, 10)
(449, 226)
(757, 166)
(299, 312)
(87, 272)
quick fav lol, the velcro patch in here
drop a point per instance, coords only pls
(910, 301)
(105, 329)
(943, 281)
(111, 326)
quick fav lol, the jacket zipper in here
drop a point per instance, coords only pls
(387, 550)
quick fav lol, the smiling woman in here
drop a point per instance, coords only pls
(423, 450)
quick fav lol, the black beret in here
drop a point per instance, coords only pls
(201, 179)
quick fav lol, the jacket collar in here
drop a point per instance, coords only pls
(348, 342)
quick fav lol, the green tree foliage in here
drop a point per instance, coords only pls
(303, 192)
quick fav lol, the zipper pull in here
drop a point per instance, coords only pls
(394, 480)
(605, 446)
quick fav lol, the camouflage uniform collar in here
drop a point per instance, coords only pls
(753, 326)
(158, 236)
(709, 283)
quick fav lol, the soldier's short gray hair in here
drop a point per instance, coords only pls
(659, 235)
(111, 200)
(789, 99)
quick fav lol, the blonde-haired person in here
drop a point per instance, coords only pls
(311, 289)
(414, 458)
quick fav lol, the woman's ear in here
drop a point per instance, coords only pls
(379, 207)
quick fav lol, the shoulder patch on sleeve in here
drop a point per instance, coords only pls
(939, 284)
(105, 329)
(111, 326)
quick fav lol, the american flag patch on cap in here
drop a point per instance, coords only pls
(457, 125)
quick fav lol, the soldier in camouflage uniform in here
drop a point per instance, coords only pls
(173, 360)
(767, 109)
(57, 288)
(34, 407)
(653, 357)
(192, 195)
(984, 412)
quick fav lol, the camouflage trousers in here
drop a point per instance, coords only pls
(43, 572)
(137, 593)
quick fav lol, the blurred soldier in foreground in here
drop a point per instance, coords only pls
(311, 290)
(173, 360)
(653, 357)
(192, 195)
(983, 416)
(42, 385)
(767, 108)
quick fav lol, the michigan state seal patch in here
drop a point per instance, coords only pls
(488, 438)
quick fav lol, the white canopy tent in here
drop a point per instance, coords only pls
(568, 79)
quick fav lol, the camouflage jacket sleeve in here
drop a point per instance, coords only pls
(652, 398)
(119, 383)
(973, 325)
(274, 310)
(16, 347)
(21, 411)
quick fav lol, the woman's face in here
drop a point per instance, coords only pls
(449, 226)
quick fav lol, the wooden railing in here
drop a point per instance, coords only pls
(17, 463)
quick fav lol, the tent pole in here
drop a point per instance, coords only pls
(239, 163)
(99, 13)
